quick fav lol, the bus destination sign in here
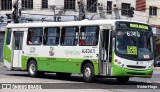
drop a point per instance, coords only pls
(134, 25)
(141, 26)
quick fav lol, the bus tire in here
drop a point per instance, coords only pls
(63, 75)
(32, 69)
(88, 72)
(122, 79)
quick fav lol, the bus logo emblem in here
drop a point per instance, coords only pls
(137, 63)
(32, 50)
(51, 52)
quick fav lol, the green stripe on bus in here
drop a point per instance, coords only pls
(70, 65)
(7, 54)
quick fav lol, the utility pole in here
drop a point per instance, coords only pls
(81, 10)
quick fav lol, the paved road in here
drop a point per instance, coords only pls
(75, 82)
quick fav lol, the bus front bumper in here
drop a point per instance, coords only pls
(119, 71)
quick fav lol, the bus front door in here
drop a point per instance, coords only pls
(106, 52)
(17, 49)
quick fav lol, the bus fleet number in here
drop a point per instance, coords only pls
(131, 33)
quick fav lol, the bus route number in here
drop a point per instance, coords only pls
(131, 33)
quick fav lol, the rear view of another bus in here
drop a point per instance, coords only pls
(133, 51)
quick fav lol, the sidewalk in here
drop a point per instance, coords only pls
(1, 64)
(156, 68)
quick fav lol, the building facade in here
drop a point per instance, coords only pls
(105, 8)
(145, 10)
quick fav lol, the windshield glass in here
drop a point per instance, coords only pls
(134, 44)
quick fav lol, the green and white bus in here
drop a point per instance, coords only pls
(94, 48)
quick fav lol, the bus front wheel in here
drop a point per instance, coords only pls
(88, 72)
(33, 70)
(122, 79)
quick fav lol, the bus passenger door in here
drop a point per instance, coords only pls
(17, 49)
(106, 51)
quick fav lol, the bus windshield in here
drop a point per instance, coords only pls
(135, 44)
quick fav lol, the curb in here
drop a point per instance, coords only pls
(155, 68)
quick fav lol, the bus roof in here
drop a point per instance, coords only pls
(69, 23)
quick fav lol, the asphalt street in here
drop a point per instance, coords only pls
(75, 83)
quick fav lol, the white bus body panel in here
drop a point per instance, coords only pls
(75, 52)
(125, 63)
(16, 58)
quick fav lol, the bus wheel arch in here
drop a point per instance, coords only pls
(32, 63)
(87, 69)
(30, 60)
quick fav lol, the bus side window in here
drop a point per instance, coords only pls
(89, 36)
(35, 36)
(81, 42)
(51, 36)
(29, 40)
(69, 36)
(8, 36)
(62, 37)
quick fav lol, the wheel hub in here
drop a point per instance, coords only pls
(87, 72)
(32, 69)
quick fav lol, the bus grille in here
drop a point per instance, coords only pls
(132, 66)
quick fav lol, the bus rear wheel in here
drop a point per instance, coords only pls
(88, 72)
(32, 69)
(63, 75)
(122, 79)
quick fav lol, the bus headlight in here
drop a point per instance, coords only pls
(120, 64)
(117, 62)
(151, 66)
